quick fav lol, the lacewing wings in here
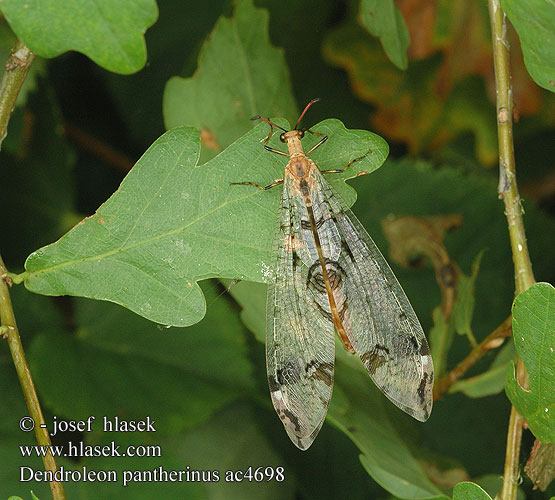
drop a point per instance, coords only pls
(329, 275)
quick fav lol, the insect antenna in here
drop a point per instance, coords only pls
(272, 124)
(305, 110)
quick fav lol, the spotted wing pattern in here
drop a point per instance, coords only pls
(376, 314)
(373, 308)
(300, 334)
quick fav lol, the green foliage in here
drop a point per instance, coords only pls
(411, 106)
(363, 418)
(534, 336)
(257, 82)
(110, 33)
(441, 339)
(491, 381)
(534, 21)
(459, 321)
(144, 359)
(51, 160)
(159, 230)
(469, 491)
(384, 20)
(154, 241)
(361, 411)
(463, 310)
(33, 497)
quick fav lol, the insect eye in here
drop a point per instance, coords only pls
(282, 137)
(301, 133)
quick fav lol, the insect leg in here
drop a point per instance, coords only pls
(340, 171)
(269, 136)
(277, 182)
(324, 139)
(272, 150)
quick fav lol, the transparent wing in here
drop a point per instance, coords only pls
(300, 334)
(376, 314)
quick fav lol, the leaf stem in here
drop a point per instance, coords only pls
(508, 191)
(18, 354)
(16, 69)
(443, 384)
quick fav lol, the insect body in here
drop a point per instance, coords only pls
(329, 275)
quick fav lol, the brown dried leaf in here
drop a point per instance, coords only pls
(411, 237)
(541, 464)
(448, 80)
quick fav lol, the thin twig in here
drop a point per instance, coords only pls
(17, 66)
(443, 384)
(98, 148)
(508, 191)
(18, 354)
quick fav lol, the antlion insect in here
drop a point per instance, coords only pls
(330, 274)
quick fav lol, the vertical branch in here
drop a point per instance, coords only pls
(16, 348)
(16, 70)
(507, 188)
(508, 191)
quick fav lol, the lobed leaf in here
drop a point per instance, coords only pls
(173, 223)
(534, 336)
(110, 33)
(240, 74)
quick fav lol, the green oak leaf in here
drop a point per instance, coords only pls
(534, 21)
(534, 336)
(469, 491)
(384, 20)
(173, 223)
(240, 74)
(110, 33)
